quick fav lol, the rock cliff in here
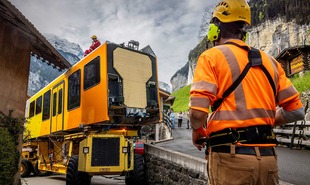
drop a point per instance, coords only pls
(275, 35)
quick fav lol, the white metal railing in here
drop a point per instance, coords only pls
(295, 134)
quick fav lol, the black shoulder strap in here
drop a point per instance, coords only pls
(255, 59)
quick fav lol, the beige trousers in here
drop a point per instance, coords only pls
(240, 169)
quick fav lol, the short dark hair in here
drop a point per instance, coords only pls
(232, 29)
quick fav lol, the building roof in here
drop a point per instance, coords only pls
(166, 96)
(292, 52)
(149, 50)
(164, 93)
(40, 46)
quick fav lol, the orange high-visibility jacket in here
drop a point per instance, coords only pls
(252, 102)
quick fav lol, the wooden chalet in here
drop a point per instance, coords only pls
(295, 59)
(166, 100)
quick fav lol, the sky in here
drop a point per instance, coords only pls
(170, 27)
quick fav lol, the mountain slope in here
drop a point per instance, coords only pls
(181, 99)
(42, 74)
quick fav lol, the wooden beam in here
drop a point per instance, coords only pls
(43, 47)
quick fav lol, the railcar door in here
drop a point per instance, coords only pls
(57, 108)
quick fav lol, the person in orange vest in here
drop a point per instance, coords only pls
(249, 95)
(96, 43)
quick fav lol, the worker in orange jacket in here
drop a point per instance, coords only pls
(96, 43)
(249, 94)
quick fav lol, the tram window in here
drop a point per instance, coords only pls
(74, 86)
(39, 105)
(92, 73)
(60, 101)
(31, 110)
(54, 103)
(46, 105)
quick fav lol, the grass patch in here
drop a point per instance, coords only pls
(301, 81)
(181, 99)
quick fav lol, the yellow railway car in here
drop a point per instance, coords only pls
(86, 121)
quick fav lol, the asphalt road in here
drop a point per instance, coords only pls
(294, 165)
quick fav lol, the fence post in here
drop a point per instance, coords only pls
(293, 135)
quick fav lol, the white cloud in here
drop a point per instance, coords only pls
(170, 27)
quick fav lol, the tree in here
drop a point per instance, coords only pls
(290, 9)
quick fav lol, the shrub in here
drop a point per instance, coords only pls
(10, 129)
(9, 157)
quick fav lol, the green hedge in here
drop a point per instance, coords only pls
(10, 129)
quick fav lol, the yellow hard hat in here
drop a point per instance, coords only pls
(94, 37)
(233, 10)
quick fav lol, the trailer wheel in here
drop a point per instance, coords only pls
(73, 176)
(41, 173)
(25, 168)
(137, 175)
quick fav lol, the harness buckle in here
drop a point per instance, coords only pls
(235, 135)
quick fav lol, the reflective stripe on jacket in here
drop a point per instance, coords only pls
(253, 102)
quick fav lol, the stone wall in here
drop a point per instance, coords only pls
(167, 167)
